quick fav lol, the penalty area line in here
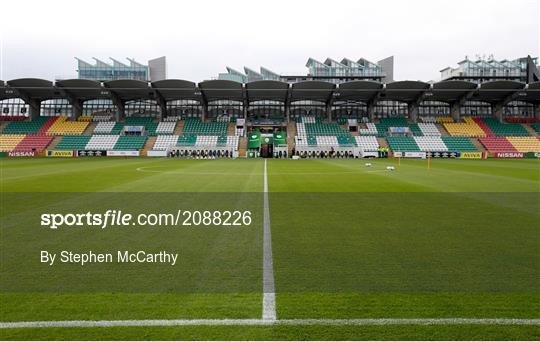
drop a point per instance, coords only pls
(241, 322)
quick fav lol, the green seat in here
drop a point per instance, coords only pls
(73, 142)
(403, 144)
(459, 144)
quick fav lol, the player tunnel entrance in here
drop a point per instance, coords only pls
(268, 142)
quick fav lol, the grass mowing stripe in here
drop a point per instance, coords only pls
(269, 292)
(217, 322)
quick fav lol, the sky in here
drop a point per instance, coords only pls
(200, 38)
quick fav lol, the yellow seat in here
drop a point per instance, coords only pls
(8, 142)
(468, 128)
(64, 127)
(525, 144)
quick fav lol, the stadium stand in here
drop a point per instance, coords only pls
(313, 132)
(196, 126)
(536, 127)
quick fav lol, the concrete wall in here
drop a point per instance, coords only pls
(158, 69)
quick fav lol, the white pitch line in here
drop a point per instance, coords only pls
(262, 322)
(269, 292)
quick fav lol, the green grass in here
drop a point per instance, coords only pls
(459, 239)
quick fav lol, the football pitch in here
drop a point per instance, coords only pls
(335, 250)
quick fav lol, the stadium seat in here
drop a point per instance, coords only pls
(459, 144)
(367, 143)
(163, 142)
(525, 144)
(403, 144)
(468, 128)
(429, 129)
(108, 127)
(102, 142)
(431, 144)
(166, 127)
(27, 127)
(8, 142)
(64, 127)
(497, 144)
(130, 142)
(33, 142)
(73, 142)
(504, 129)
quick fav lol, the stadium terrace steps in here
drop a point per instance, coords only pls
(497, 144)
(150, 142)
(531, 130)
(179, 127)
(536, 127)
(90, 128)
(231, 129)
(55, 141)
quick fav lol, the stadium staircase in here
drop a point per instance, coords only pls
(478, 145)
(242, 147)
(56, 140)
(383, 142)
(291, 133)
(90, 128)
(444, 132)
(530, 129)
(231, 129)
(179, 127)
(148, 145)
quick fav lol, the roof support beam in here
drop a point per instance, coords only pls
(455, 107)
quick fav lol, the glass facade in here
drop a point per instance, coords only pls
(14, 107)
(483, 70)
(101, 71)
(330, 71)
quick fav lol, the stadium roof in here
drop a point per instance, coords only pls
(172, 89)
